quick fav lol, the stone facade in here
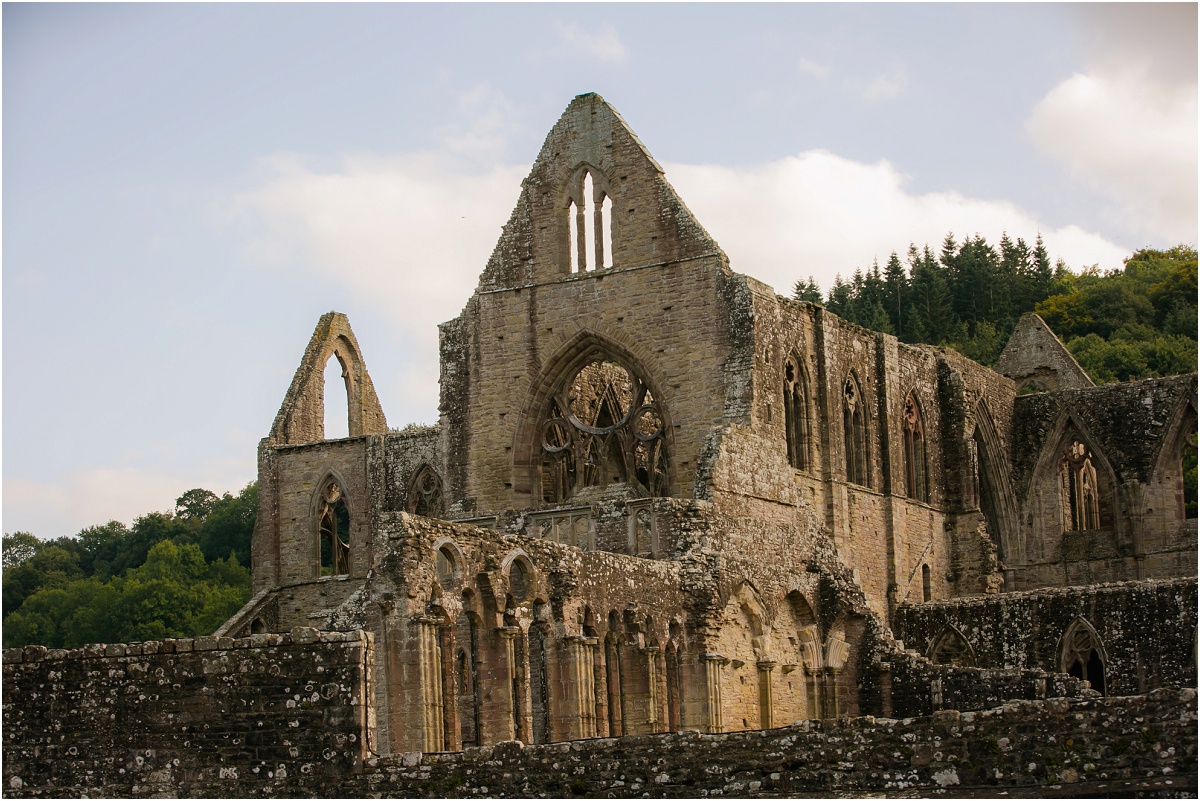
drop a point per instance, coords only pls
(718, 500)
(661, 498)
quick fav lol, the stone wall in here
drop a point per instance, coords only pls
(1055, 747)
(210, 716)
(1146, 630)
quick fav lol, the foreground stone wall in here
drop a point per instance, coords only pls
(210, 716)
(1091, 747)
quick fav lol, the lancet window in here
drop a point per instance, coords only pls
(1187, 477)
(333, 532)
(915, 467)
(1079, 488)
(589, 222)
(854, 427)
(603, 427)
(795, 413)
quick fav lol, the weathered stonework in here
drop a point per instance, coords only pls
(210, 714)
(661, 498)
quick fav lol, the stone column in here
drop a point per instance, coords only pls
(600, 687)
(579, 699)
(712, 674)
(766, 703)
(650, 654)
(430, 665)
(508, 636)
(451, 722)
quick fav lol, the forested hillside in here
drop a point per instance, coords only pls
(177, 574)
(1126, 324)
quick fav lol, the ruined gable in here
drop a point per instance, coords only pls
(1037, 359)
(554, 225)
(301, 417)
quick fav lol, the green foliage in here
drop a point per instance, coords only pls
(807, 290)
(1137, 322)
(169, 575)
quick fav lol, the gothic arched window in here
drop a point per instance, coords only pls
(951, 648)
(425, 493)
(603, 427)
(795, 413)
(854, 427)
(333, 532)
(1079, 489)
(1082, 654)
(916, 472)
(589, 222)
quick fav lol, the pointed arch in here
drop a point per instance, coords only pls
(1081, 654)
(1073, 485)
(425, 493)
(301, 416)
(991, 486)
(331, 529)
(1176, 460)
(594, 416)
(855, 432)
(796, 413)
(916, 470)
(950, 647)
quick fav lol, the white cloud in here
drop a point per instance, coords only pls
(808, 67)
(601, 44)
(819, 214)
(94, 497)
(409, 232)
(1133, 143)
(412, 233)
(887, 86)
(1127, 123)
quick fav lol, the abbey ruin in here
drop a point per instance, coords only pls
(662, 498)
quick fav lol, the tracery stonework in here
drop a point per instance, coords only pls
(604, 427)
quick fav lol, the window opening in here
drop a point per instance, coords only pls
(1081, 656)
(425, 494)
(337, 400)
(951, 649)
(1187, 471)
(445, 567)
(1079, 488)
(604, 427)
(855, 431)
(926, 583)
(972, 489)
(589, 224)
(916, 473)
(795, 413)
(643, 533)
(574, 221)
(518, 581)
(605, 223)
(334, 533)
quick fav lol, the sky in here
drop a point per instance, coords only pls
(187, 188)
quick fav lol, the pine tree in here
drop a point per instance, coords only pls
(895, 284)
